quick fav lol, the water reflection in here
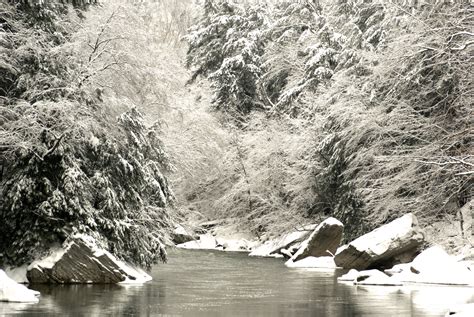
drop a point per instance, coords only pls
(206, 283)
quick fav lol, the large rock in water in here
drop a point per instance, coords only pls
(323, 241)
(80, 261)
(396, 242)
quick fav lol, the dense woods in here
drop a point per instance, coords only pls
(73, 161)
(118, 118)
(357, 109)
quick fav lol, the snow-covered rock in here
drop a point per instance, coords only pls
(376, 278)
(465, 310)
(11, 291)
(322, 242)
(349, 276)
(205, 242)
(287, 253)
(235, 245)
(395, 242)
(398, 268)
(326, 262)
(18, 274)
(435, 266)
(272, 247)
(369, 277)
(81, 261)
(181, 235)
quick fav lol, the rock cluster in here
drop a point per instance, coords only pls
(396, 242)
(286, 245)
(432, 266)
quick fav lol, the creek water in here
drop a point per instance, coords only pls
(213, 283)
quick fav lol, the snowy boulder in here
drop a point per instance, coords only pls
(267, 249)
(289, 241)
(322, 242)
(18, 274)
(349, 276)
(464, 310)
(81, 261)
(326, 262)
(435, 266)
(11, 291)
(234, 245)
(205, 242)
(181, 235)
(369, 277)
(287, 253)
(376, 278)
(396, 242)
(398, 268)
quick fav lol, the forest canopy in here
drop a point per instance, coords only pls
(70, 161)
(360, 110)
(269, 114)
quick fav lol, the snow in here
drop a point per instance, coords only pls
(48, 262)
(435, 266)
(369, 277)
(179, 229)
(205, 242)
(313, 262)
(377, 278)
(349, 276)
(265, 249)
(140, 275)
(398, 268)
(329, 222)
(234, 245)
(379, 240)
(432, 266)
(11, 291)
(18, 274)
(273, 246)
(465, 310)
(57, 252)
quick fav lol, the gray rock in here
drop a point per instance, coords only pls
(323, 241)
(289, 241)
(396, 242)
(79, 264)
(181, 235)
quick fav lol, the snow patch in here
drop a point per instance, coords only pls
(313, 262)
(18, 274)
(376, 241)
(205, 242)
(465, 310)
(349, 276)
(48, 262)
(11, 291)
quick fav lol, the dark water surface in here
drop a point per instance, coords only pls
(212, 283)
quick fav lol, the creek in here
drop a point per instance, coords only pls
(213, 283)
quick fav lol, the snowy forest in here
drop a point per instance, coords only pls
(121, 120)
